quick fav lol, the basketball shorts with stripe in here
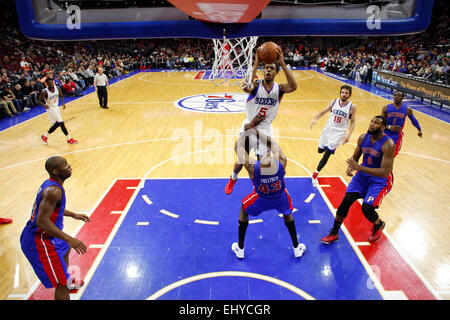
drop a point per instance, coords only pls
(254, 204)
(46, 256)
(372, 189)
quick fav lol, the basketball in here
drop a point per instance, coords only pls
(267, 52)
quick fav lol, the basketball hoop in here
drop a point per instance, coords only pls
(233, 61)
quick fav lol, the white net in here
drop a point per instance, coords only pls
(233, 61)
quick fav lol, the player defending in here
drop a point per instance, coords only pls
(262, 106)
(43, 242)
(342, 117)
(395, 115)
(373, 180)
(269, 192)
(49, 98)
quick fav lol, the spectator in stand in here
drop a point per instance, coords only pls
(24, 64)
(24, 101)
(70, 88)
(73, 76)
(7, 105)
(30, 94)
(8, 95)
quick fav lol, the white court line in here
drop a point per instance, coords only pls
(142, 223)
(116, 212)
(215, 223)
(146, 199)
(276, 281)
(96, 246)
(191, 137)
(310, 197)
(170, 214)
(17, 296)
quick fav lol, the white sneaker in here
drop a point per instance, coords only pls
(237, 251)
(315, 182)
(298, 252)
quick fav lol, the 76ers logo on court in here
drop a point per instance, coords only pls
(214, 102)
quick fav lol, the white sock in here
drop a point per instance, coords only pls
(46, 134)
(234, 176)
(68, 137)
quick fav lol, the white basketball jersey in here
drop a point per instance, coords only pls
(339, 115)
(264, 103)
(52, 98)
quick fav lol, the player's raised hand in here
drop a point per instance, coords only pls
(280, 55)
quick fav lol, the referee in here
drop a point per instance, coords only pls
(101, 83)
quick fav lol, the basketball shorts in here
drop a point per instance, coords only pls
(331, 138)
(372, 189)
(54, 115)
(259, 146)
(398, 139)
(254, 204)
(46, 256)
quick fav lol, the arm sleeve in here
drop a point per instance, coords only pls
(415, 122)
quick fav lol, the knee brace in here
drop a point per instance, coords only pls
(369, 212)
(346, 203)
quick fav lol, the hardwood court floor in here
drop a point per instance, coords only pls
(143, 131)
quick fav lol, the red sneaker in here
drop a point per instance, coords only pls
(376, 234)
(5, 221)
(44, 138)
(230, 185)
(330, 238)
(74, 285)
(72, 141)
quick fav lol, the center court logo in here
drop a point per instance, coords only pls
(214, 102)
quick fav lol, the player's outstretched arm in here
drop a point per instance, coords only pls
(76, 216)
(253, 82)
(274, 147)
(352, 125)
(321, 114)
(414, 122)
(291, 84)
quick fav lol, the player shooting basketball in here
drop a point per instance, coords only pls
(262, 105)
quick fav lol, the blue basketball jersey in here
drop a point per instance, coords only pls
(395, 117)
(57, 216)
(372, 154)
(268, 186)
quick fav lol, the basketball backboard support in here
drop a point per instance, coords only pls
(75, 20)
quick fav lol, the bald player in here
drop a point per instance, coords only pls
(43, 242)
